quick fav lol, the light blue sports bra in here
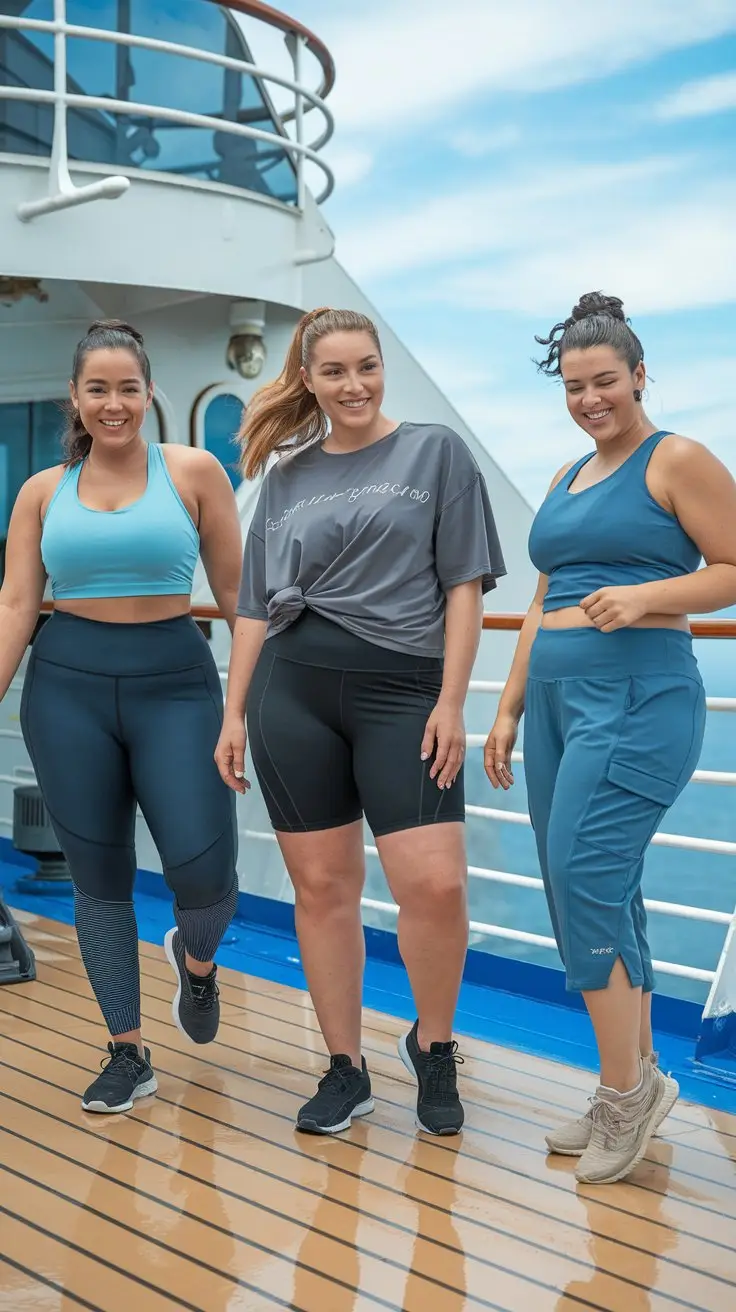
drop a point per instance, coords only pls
(146, 549)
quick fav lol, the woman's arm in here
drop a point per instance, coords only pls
(248, 639)
(702, 494)
(445, 732)
(502, 738)
(221, 543)
(25, 579)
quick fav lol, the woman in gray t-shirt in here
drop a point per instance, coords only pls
(359, 618)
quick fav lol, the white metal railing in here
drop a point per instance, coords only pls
(486, 930)
(676, 909)
(63, 193)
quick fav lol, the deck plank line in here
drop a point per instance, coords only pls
(361, 1250)
(539, 1124)
(437, 1207)
(40, 1279)
(239, 1281)
(579, 1081)
(437, 1148)
(474, 1300)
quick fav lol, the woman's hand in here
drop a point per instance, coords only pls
(497, 751)
(230, 754)
(445, 736)
(615, 608)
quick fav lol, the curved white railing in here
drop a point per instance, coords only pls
(64, 194)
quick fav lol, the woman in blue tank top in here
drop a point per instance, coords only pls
(614, 706)
(122, 702)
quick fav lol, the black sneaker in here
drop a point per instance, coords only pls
(343, 1093)
(125, 1076)
(439, 1109)
(196, 1005)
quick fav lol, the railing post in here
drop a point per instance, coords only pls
(62, 192)
(295, 46)
(59, 147)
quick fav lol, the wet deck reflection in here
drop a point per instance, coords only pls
(204, 1198)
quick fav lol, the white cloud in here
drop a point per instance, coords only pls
(350, 165)
(430, 59)
(680, 255)
(474, 142)
(499, 217)
(709, 95)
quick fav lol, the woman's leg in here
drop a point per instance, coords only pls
(426, 871)
(327, 869)
(419, 831)
(630, 747)
(171, 723)
(303, 765)
(68, 720)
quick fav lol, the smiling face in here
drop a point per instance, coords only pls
(599, 389)
(346, 376)
(111, 396)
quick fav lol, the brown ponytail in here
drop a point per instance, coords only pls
(103, 335)
(285, 411)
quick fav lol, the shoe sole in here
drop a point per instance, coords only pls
(141, 1091)
(437, 1134)
(656, 1113)
(311, 1127)
(169, 950)
(672, 1093)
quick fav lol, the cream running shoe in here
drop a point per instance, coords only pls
(572, 1138)
(622, 1127)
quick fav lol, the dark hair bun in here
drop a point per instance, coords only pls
(115, 326)
(596, 303)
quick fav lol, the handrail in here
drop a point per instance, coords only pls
(290, 26)
(507, 622)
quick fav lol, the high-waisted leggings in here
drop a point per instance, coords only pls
(613, 730)
(119, 714)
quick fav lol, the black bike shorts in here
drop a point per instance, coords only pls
(335, 726)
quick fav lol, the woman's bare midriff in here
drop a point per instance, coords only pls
(572, 617)
(126, 610)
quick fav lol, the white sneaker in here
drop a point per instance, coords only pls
(572, 1138)
(622, 1127)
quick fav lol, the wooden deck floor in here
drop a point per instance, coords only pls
(204, 1198)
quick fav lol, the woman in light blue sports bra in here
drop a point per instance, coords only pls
(122, 704)
(614, 706)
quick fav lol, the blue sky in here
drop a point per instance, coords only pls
(494, 161)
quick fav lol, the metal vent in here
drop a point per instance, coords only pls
(33, 832)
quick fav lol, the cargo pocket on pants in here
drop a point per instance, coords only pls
(630, 805)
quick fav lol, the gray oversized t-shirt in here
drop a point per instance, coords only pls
(372, 539)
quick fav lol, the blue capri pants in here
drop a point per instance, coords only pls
(613, 728)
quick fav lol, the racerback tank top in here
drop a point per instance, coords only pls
(148, 548)
(611, 534)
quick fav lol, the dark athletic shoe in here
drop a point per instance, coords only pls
(196, 1005)
(343, 1092)
(439, 1109)
(125, 1076)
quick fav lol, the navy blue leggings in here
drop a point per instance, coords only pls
(119, 714)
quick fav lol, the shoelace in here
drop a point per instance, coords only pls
(609, 1120)
(335, 1078)
(120, 1061)
(440, 1071)
(204, 992)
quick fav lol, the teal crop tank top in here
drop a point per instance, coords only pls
(146, 549)
(611, 534)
